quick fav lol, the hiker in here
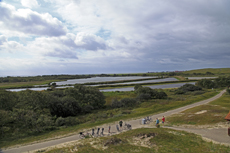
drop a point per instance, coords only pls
(163, 120)
(102, 131)
(109, 129)
(117, 128)
(120, 123)
(157, 121)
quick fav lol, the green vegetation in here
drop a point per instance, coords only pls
(188, 88)
(208, 114)
(143, 140)
(41, 78)
(218, 82)
(208, 72)
(30, 119)
(29, 116)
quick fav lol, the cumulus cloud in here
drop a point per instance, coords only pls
(2, 39)
(30, 3)
(89, 41)
(29, 22)
(67, 46)
(9, 46)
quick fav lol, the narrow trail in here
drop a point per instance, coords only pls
(136, 123)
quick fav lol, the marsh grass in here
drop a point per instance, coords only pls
(156, 140)
(24, 84)
(208, 114)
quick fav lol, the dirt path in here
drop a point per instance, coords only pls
(136, 123)
(216, 135)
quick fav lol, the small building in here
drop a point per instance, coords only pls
(228, 117)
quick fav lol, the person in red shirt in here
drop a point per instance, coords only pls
(163, 120)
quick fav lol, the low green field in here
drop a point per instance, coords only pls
(24, 84)
(212, 70)
(143, 141)
(208, 114)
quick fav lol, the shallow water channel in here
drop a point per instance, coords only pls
(163, 86)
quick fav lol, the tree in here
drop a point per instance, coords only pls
(137, 86)
(7, 100)
(67, 106)
(154, 94)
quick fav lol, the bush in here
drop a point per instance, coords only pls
(60, 121)
(208, 84)
(179, 92)
(69, 121)
(143, 96)
(228, 91)
(189, 87)
(127, 102)
(144, 92)
(137, 86)
(161, 95)
(222, 81)
(116, 103)
(198, 93)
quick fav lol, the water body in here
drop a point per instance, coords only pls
(164, 86)
(176, 85)
(101, 79)
(144, 81)
(37, 89)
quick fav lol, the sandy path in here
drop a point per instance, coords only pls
(136, 123)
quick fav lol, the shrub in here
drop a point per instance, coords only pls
(223, 81)
(189, 87)
(60, 121)
(179, 92)
(144, 92)
(127, 102)
(143, 96)
(228, 91)
(69, 121)
(137, 86)
(198, 93)
(116, 103)
(206, 83)
(161, 95)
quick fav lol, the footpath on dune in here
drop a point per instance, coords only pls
(216, 135)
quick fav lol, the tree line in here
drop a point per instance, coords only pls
(223, 81)
(143, 94)
(38, 111)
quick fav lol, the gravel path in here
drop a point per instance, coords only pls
(136, 123)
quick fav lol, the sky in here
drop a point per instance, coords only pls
(45, 37)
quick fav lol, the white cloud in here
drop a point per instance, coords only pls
(89, 41)
(29, 22)
(30, 3)
(9, 46)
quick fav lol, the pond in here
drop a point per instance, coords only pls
(101, 79)
(143, 81)
(163, 86)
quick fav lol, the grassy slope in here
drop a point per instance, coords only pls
(212, 70)
(215, 112)
(144, 140)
